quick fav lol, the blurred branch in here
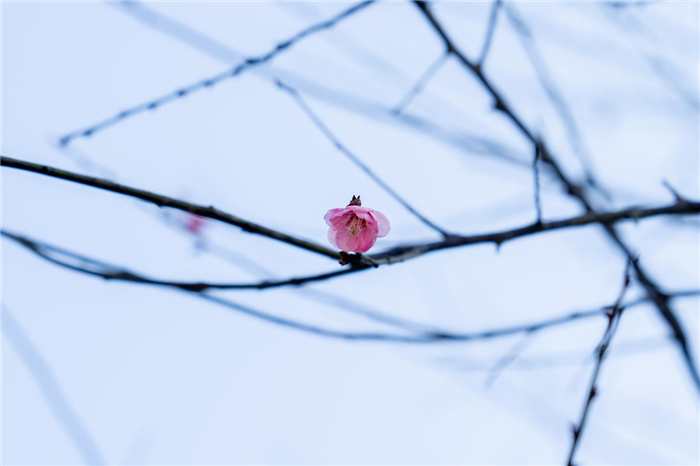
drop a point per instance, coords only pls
(472, 143)
(420, 84)
(614, 314)
(572, 189)
(213, 80)
(164, 201)
(490, 29)
(500, 365)
(50, 389)
(354, 159)
(662, 67)
(89, 266)
(555, 95)
(557, 359)
(536, 178)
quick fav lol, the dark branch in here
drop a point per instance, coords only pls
(358, 262)
(164, 201)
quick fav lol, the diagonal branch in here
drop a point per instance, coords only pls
(354, 159)
(417, 88)
(212, 80)
(555, 95)
(49, 386)
(490, 29)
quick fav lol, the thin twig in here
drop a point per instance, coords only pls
(48, 384)
(555, 95)
(420, 84)
(316, 120)
(614, 314)
(490, 29)
(212, 80)
(536, 177)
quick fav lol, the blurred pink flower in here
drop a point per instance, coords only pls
(355, 228)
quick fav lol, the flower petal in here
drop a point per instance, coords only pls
(383, 225)
(333, 214)
(331, 237)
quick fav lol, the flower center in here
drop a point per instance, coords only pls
(355, 226)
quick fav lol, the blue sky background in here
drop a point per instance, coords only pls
(158, 376)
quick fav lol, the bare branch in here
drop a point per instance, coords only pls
(46, 380)
(490, 29)
(93, 267)
(354, 159)
(536, 178)
(420, 84)
(614, 314)
(358, 261)
(555, 95)
(213, 80)
(164, 201)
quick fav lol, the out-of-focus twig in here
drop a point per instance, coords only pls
(213, 80)
(490, 30)
(555, 95)
(56, 399)
(416, 89)
(354, 159)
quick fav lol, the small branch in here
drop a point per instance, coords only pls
(490, 29)
(164, 201)
(613, 314)
(420, 84)
(500, 365)
(536, 177)
(212, 80)
(353, 158)
(48, 385)
(554, 94)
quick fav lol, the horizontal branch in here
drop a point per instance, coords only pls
(89, 266)
(165, 201)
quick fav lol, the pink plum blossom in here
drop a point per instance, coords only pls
(355, 228)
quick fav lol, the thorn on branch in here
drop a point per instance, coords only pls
(674, 192)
